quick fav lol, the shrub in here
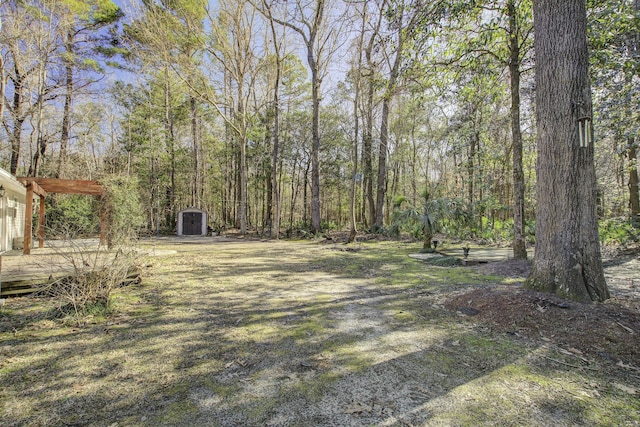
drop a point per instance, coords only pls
(429, 217)
(123, 209)
(96, 272)
(618, 232)
(72, 212)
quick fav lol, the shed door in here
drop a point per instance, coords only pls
(192, 223)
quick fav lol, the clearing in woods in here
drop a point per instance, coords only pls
(228, 332)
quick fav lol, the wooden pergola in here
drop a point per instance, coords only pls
(43, 186)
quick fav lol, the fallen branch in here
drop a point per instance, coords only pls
(625, 366)
(570, 365)
(626, 328)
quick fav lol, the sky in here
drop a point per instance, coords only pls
(336, 71)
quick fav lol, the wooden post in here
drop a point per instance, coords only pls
(103, 222)
(41, 224)
(28, 220)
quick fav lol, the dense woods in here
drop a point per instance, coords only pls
(281, 117)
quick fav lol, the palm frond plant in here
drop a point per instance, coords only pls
(429, 216)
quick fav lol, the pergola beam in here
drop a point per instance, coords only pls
(42, 186)
(66, 186)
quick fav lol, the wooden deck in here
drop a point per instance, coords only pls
(22, 274)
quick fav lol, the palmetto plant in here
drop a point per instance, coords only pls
(430, 215)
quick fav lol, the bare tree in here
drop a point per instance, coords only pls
(357, 82)
(274, 203)
(3, 75)
(232, 47)
(370, 70)
(28, 48)
(320, 32)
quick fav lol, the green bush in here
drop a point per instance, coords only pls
(72, 214)
(432, 216)
(124, 213)
(618, 231)
(97, 272)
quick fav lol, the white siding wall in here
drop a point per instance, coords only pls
(12, 210)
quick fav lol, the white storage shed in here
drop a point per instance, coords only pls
(192, 222)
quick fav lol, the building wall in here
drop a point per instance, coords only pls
(12, 210)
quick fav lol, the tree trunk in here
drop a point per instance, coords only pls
(15, 145)
(367, 136)
(305, 197)
(384, 136)
(274, 204)
(381, 185)
(16, 111)
(519, 243)
(634, 196)
(414, 165)
(356, 135)
(427, 235)
(170, 145)
(41, 145)
(567, 260)
(315, 148)
(367, 147)
(243, 186)
(473, 141)
(195, 149)
(3, 83)
(352, 190)
(294, 190)
(66, 115)
(275, 160)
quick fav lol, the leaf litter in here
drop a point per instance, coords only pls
(297, 333)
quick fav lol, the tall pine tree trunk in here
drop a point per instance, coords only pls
(352, 190)
(519, 243)
(567, 260)
(242, 160)
(274, 205)
(315, 149)
(16, 111)
(367, 147)
(634, 197)
(170, 145)
(381, 190)
(68, 99)
(195, 190)
(381, 185)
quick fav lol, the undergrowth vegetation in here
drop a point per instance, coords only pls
(96, 272)
(619, 232)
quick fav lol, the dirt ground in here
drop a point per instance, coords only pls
(231, 332)
(608, 331)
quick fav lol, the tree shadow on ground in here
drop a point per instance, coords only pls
(279, 339)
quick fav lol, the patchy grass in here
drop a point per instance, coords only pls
(232, 332)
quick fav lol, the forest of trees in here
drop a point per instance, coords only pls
(281, 116)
